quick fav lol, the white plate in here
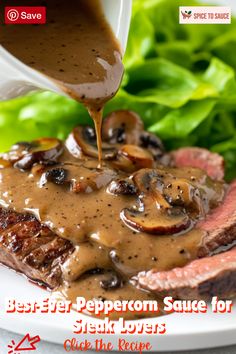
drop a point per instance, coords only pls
(184, 332)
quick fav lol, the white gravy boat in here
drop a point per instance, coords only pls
(16, 78)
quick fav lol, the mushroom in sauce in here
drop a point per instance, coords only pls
(44, 151)
(122, 187)
(82, 141)
(122, 127)
(154, 214)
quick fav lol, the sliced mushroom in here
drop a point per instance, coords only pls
(172, 191)
(153, 144)
(150, 182)
(182, 193)
(26, 162)
(131, 158)
(93, 181)
(122, 187)
(82, 141)
(138, 156)
(155, 221)
(122, 163)
(122, 127)
(154, 214)
(146, 176)
(45, 151)
(17, 151)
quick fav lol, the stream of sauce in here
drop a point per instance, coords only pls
(76, 48)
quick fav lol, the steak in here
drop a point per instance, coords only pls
(31, 248)
(220, 224)
(211, 163)
(207, 276)
(200, 279)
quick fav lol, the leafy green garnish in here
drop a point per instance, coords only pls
(179, 78)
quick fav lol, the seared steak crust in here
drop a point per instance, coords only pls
(31, 248)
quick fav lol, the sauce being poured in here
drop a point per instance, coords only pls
(76, 48)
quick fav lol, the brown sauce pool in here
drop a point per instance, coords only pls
(76, 48)
(90, 217)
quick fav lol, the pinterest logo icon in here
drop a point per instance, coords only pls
(12, 15)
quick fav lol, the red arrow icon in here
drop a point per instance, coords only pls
(26, 344)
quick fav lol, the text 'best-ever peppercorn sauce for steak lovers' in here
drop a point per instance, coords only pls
(76, 47)
(88, 230)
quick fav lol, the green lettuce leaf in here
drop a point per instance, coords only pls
(181, 122)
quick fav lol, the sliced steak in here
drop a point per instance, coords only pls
(220, 224)
(207, 276)
(31, 248)
(200, 279)
(201, 158)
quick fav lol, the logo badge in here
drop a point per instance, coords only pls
(25, 15)
(204, 14)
